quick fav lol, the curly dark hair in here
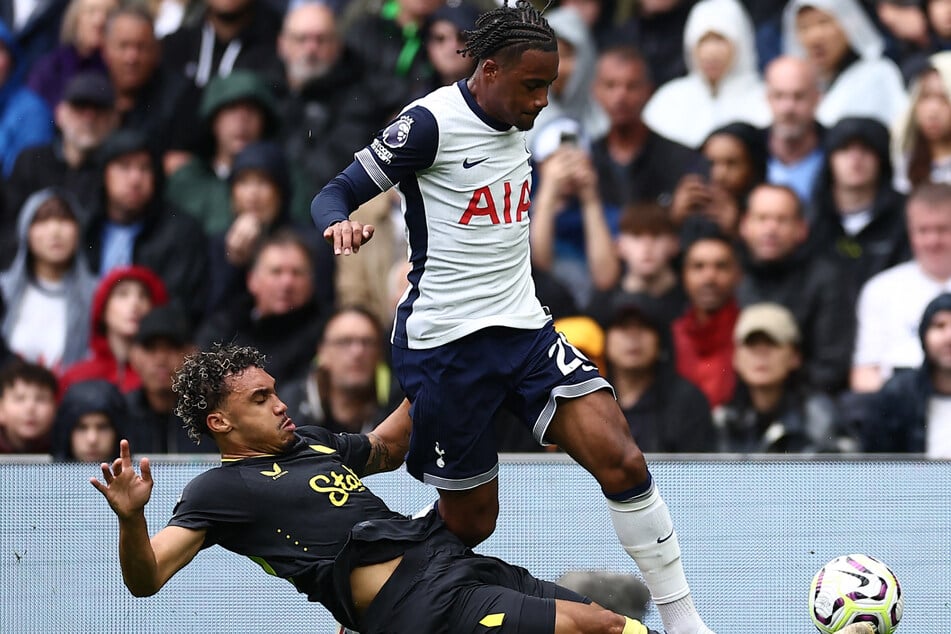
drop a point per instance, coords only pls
(201, 382)
(521, 27)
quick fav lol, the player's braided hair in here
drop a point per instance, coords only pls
(521, 25)
(200, 383)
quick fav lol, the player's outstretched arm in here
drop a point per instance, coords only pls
(389, 441)
(146, 563)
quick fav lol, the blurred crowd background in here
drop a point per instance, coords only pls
(741, 212)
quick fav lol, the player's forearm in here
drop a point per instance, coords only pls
(137, 558)
(389, 442)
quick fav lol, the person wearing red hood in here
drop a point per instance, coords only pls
(122, 298)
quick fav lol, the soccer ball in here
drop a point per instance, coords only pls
(855, 589)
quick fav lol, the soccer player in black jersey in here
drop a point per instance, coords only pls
(292, 501)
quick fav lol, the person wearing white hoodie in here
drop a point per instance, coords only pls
(722, 84)
(841, 42)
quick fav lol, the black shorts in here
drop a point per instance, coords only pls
(442, 587)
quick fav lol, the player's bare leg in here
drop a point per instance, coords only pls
(585, 618)
(471, 514)
(594, 432)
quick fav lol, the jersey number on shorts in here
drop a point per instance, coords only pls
(558, 351)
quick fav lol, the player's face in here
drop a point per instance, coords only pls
(258, 418)
(519, 89)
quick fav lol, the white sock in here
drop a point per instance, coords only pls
(646, 532)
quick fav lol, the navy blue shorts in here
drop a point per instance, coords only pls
(457, 388)
(441, 587)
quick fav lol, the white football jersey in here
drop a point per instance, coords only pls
(465, 180)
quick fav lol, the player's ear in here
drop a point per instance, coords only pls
(490, 68)
(217, 422)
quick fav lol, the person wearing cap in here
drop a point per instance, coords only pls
(703, 334)
(778, 268)
(666, 412)
(48, 287)
(24, 117)
(771, 410)
(326, 108)
(572, 230)
(857, 217)
(912, 411)
(90, 421)
(235, 110)
(79, 51)
(85, 117)
(134, 225)
(163, 340)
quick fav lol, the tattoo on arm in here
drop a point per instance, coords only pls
(380, 458)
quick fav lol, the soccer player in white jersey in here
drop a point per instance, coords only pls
(470, 336)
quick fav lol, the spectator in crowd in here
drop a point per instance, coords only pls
(134, 225)
(921, 142)
(772, 411)
(235, 110)
(734, 162)
(24, 118)
(646, 247)
(159, 348)
(123, 297)
(778, 268)
(891, 303)
(703, 335)
(90, 422)
(723, 84)
(569, 96)
(634, 164)
(571, 230)
(260, 202)
(367, 281)
(794, 139)
(84, 119)
(232, 35)
(326, 109)
(48, 288)
(80, 49)
(912, 411)
(171, 15)
(27, 407)
(666, 412)
(839, 39)
(389, 45)
(858, 217)
(280, 315)
(149, 99)
(35, 25)
(444, 39)
(915, 30)
(656, 27)
(349, 387)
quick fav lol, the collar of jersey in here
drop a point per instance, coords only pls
(489, 120)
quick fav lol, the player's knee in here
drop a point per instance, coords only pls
(472, 523)
(624, 467)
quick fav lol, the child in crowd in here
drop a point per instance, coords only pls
(89, 423)
(27, 407)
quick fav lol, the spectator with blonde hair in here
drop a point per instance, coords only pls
(81, 38)
(921, 140)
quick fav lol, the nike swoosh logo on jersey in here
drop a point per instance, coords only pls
(466, 163)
